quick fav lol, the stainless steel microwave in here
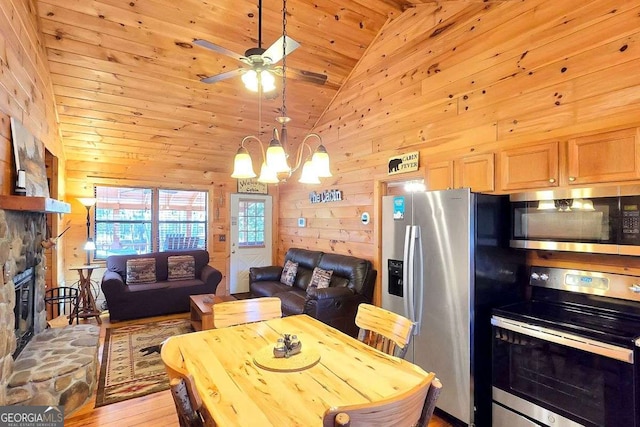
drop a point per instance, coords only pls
(593, 220)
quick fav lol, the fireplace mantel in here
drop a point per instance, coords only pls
(34, 204)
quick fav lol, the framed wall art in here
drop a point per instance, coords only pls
(29, 155)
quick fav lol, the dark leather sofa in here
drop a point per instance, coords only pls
(158, 298)
(352, 283)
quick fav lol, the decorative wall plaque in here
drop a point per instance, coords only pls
(407, 162)
(252, 186)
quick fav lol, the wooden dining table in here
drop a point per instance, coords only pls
(236, 390)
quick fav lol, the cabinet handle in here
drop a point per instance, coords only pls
(572, 178)
(552, 180)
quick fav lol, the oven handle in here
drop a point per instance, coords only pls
(563, 338)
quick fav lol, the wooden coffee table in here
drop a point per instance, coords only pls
(202, 309)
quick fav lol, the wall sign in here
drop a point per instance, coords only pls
(325, 196)
(252, 186)
(407, 162)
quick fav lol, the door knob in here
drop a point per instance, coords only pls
(552, 180)
(572, 178)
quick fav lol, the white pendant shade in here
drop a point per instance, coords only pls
(268, 175)
(277, 158)
(309, 175)
(242, 165)
(321, 162)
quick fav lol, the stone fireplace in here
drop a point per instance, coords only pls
(54, 366)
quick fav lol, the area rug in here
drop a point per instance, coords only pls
(131, 364)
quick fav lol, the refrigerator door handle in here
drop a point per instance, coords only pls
(405, 271)
(412, 273)
(418, 285)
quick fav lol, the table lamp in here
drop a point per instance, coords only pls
(90, 245)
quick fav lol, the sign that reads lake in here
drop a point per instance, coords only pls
(325, 196)
(407, 162)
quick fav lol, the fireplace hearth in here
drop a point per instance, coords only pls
(24, 285)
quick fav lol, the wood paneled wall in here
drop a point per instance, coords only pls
(26, 94)
(454, 78)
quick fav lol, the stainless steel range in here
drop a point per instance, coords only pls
(568, 355)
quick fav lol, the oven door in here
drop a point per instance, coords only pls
(559, 379)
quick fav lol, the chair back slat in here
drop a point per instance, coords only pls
(382, 329)
(230, 313)
(402, 410)
(183, 387)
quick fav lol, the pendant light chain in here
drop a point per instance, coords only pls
(284, 58)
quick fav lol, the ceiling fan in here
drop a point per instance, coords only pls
(259, 61)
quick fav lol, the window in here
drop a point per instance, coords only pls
(142, 220)
(251, 223)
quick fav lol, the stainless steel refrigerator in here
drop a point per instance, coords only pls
(446, 263)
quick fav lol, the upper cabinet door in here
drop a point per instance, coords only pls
(605, 157)
(475, 172)
(529, 167)
(440, 175)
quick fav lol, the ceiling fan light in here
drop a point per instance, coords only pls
(267, 80)
(267, 175)
(276, 157)
(242, 165)
(320, 161)
(308, 175)
(250, 80)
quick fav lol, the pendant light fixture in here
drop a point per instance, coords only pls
(275, 167)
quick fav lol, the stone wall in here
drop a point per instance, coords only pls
(20, 237)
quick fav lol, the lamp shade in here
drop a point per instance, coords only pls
(276, 157)
(267, 80)
(308, 175)
(242, 165)
(267, 175)
(90, 245)
(87, 201)
(320, 161)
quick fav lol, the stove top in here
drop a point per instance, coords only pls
(600, 306)
(599, 325)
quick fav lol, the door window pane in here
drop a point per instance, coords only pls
(251, 223)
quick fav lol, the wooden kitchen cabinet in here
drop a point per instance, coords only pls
(605, 157)
(475, 172)
(440, 175)
(534, 166)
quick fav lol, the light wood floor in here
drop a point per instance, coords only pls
(153, 410)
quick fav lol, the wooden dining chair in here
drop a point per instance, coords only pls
(232, 313)
(384, 330)
(402, 410)
(183, 389)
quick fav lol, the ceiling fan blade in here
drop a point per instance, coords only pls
(219, 49)
(274, 53)
(222, 76)
(305, 75)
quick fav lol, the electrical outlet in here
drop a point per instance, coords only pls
(222, 238)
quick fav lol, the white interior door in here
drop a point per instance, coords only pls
(251, 238)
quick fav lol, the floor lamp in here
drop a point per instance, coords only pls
(90, 245)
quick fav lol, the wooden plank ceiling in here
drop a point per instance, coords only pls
(126, 73)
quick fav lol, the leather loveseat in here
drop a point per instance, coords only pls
(351, 283)
(177, 276)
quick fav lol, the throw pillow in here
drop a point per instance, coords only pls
(141, 270)
(320, 279)
(181, 267)
(288, 276)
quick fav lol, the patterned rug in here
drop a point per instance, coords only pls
(131, 364)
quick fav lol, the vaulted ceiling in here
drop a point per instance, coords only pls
(126, 73)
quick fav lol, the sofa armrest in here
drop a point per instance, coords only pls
(335, 306)
(261, 274)
(112, 283)
(211, 277)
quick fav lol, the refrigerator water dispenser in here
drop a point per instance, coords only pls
(395, 277)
